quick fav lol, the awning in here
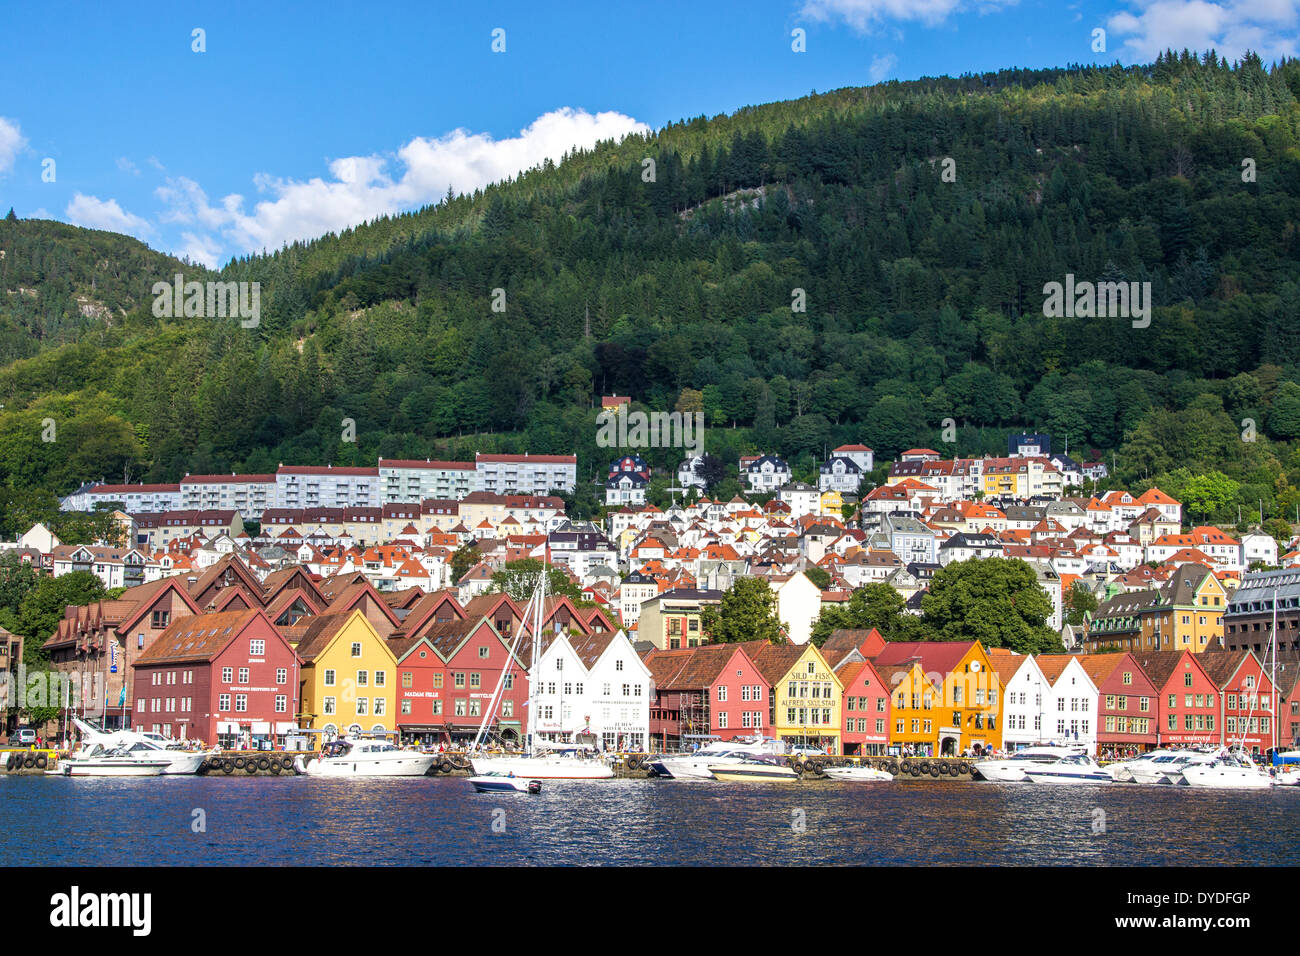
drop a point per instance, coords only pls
(227, 727)
(261, 727)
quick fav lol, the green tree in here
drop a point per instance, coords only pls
(44, 605)
(747, 612)
(1209, 494)
(818, 576)
(519, 579)
(1079, 601)
(464, 558)
(996, 601)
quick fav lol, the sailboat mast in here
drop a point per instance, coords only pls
(1273, 679)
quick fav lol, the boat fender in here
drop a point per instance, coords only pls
(934, 770)
(907, 766)
(263, 763)
(250, 766)
(274, 767)
(286, 762)
(29, 761)
(916, 771)
(41, 761)
(227, 766)
(893, 767)
(240, 763)
(963, 767)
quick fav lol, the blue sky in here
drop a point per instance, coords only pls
(302, 118)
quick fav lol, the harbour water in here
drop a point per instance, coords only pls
(441, 821)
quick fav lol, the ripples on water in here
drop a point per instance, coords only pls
(441, 821)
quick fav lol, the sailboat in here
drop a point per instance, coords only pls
(545, 760)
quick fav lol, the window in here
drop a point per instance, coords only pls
(281, 703)
(363, 678)
(363, 706)
(460, 707)
(241, 703)
(458, 679)
(722, 695)
(475, 679)
(243, 675)
(223, 702)
(406, 708)
(483, 652)
(437, 680)
(281, 675)
(329, 678)
(257, 648)
(406, 678)
(381, 706)
(228, 675)
(356, 648)
(618, 665)
(141, 706)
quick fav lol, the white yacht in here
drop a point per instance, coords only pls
(178, 760)
(505, 783)
(1076, 768)
(696, 765)
(132, 760)
(1172, 771)
(761, 767)
(1013, 768)
(1228, 771)
(562, 762)
(365, 758)
(858, 774)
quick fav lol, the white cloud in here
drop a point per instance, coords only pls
(1268, 27)
(11, 144)
(359, 188)
(127, 166)
(863, 15)
(95, 213)
(202, 249)
(882, 66)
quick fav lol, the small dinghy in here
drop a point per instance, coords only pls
(493, 782)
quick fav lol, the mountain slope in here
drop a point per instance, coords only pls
(924, 294)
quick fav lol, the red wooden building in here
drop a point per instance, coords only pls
(710, 691)
(865, 711)
(446, 679)
(228, 677)
(1246, 698)
(1187, 699)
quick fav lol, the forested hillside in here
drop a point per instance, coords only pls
(924, 297)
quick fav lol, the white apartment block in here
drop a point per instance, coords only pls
(311, 486)
(525, 474)
(135, 499)
(250, 495)
(402, 480)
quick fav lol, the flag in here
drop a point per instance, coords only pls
(121, 698)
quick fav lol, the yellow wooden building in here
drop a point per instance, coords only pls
(348, 675)
(806, 694)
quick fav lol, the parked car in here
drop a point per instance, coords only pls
(22, 737)
(803, 750)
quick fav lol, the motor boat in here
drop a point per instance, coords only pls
(696, 765)
(560, 762)
(1286, 768)
(134, 760)
(1123, 771)
(179, 760)
(1012, 769)
(346, 757)
(858, 774)
(504, 783)
(1229, 770)
(1075, 768)
(1171, 771)
(761, 767)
